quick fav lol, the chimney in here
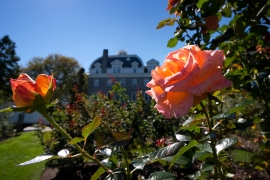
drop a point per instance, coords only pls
(104, 60)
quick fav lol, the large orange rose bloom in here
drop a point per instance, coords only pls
(184, 79)
(25, 89)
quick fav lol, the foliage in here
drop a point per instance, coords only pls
(9, 66)
(11, 155)
(63, 68)
(6, 128)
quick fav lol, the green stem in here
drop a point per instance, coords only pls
(126, 161)
(218, 166)
(42, 110)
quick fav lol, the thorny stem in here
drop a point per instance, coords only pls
(220, 174)
(42, 110)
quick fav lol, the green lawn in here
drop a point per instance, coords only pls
(17, 150)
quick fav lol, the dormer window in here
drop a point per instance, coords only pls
(150, 68)
(134, 67)
(97, 68)
(152, 64)
(116, 66)
(116, 70)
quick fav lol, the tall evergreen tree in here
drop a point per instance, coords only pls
(9, 67)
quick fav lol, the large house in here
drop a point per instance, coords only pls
(128, 69)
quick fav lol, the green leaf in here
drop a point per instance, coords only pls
(241, 106)
(225, 143)
(88, 129)
(108, 163)
(200, 3)
(98, 173)
(208, 166)
(231, 114)
(162, 176)
(140, 163)
(181, 137)
(15, 109)
(205, 147)
(259, 29)
(242, 156)
(120, 139)
(172, 42)
(168, 150)
(202, 155)
(195, 176)
(75, 140)
(161, 25)
(99, 138)
(183, 150)
(36, 160)
(226, 12)
(164, 154)
(206, 37)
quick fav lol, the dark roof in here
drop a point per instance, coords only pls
(122, 58)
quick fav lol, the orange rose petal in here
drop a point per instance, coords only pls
(22, 97)
(157, 93)
(176, 104)
(211, 60)
(201, 85)
(183, 85)
(43, 81)
(151, 84)
(174, 66)
(184, 72)
(222, 83)
(25, 81)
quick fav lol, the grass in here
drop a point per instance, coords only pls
(17, 150)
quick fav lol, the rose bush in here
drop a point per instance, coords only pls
(27, 92)
(185, 78)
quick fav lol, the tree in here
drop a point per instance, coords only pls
(8, 65)
(63, 68)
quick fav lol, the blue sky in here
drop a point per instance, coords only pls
(83, 28)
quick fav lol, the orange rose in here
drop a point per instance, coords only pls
(26, 91)
(185, 78)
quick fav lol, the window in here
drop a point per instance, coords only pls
(134, 82)
(146, 96)
(133, 96)
(146, 81)
(96, 83)
(109, 83)
(134, 69)
(122, 82)
(150, 68)
(97, 68)
(116, 69)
